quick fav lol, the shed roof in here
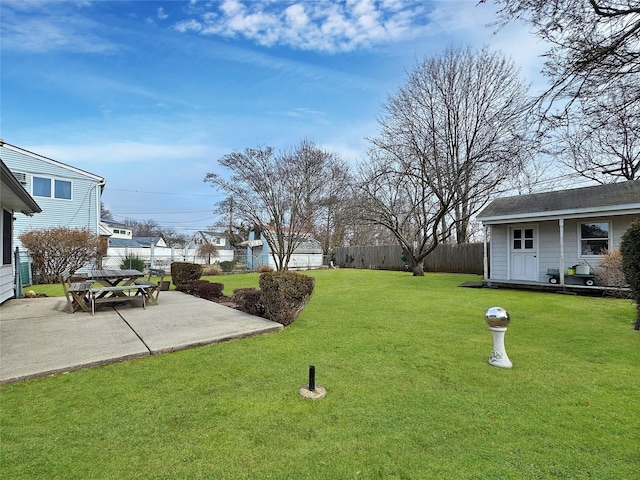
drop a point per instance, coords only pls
(609, 199)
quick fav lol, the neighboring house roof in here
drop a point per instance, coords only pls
(104, 232)
(251, 243)
(600, 200)
(136, 242)
(147, 241)
(308, 245)
(124, 242)
(13, 195)
(113, 223)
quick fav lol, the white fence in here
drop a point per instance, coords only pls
(160, 257)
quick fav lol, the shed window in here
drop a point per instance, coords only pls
(42, 187)
(594, 238)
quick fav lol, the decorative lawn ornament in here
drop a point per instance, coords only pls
(497, 318)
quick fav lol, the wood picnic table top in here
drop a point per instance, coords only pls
(114, 274)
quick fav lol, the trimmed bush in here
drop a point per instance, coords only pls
(226, 266)
(204, 289)
(183, 272)
(249, 300)
(630, 250)
(285, 294)
(132, 262)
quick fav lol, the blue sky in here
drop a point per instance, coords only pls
(150, 94)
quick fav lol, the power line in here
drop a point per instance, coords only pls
(163, 193)
(174, 222)
(159, 213)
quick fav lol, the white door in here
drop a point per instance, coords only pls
(524, 253)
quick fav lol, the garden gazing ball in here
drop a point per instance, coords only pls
(497, 317)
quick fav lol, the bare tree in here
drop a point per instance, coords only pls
(56, 249)
(105, 213)
(601, 140)
(150, 228)
(403, 195)
(207, 250)
(171, 237)
(331, 216)
(593, 42)
(450, 136)
(143, 228)
(277, 192)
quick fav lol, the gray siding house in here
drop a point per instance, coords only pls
(13, 198)
(532, 235)
(69, 197)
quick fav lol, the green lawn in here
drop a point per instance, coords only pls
(409, 394)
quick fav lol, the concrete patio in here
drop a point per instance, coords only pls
(38, 337)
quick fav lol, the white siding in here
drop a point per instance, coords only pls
(6, 282)
(79, 212)
(620, 226)
(549, 245)
(499, 251)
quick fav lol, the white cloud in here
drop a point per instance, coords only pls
(50, 29)
(188, 26)
(312, 25)
(161, 14)
(49, 34)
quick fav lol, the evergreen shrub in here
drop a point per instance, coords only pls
(630, 250)
(132, 262)
(249, 300)
(285, 294)
(226, 266)
(204, 289)
(183, 272)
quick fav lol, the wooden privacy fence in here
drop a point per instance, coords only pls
(449, 258)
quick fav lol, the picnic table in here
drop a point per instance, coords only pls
(114, 285)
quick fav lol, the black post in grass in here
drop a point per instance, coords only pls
(312, 378)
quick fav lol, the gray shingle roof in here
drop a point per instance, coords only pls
(594, 198)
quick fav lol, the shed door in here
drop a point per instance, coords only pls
(524, 253)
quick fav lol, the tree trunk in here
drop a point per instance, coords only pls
(418, 270)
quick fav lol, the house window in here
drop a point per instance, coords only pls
(594, 238)
(43, 187)
(7, 221)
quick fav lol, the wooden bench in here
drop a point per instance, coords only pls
(153, 289)
(76, 292)
(101, 295)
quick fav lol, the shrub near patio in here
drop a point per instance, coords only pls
(409, 394)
